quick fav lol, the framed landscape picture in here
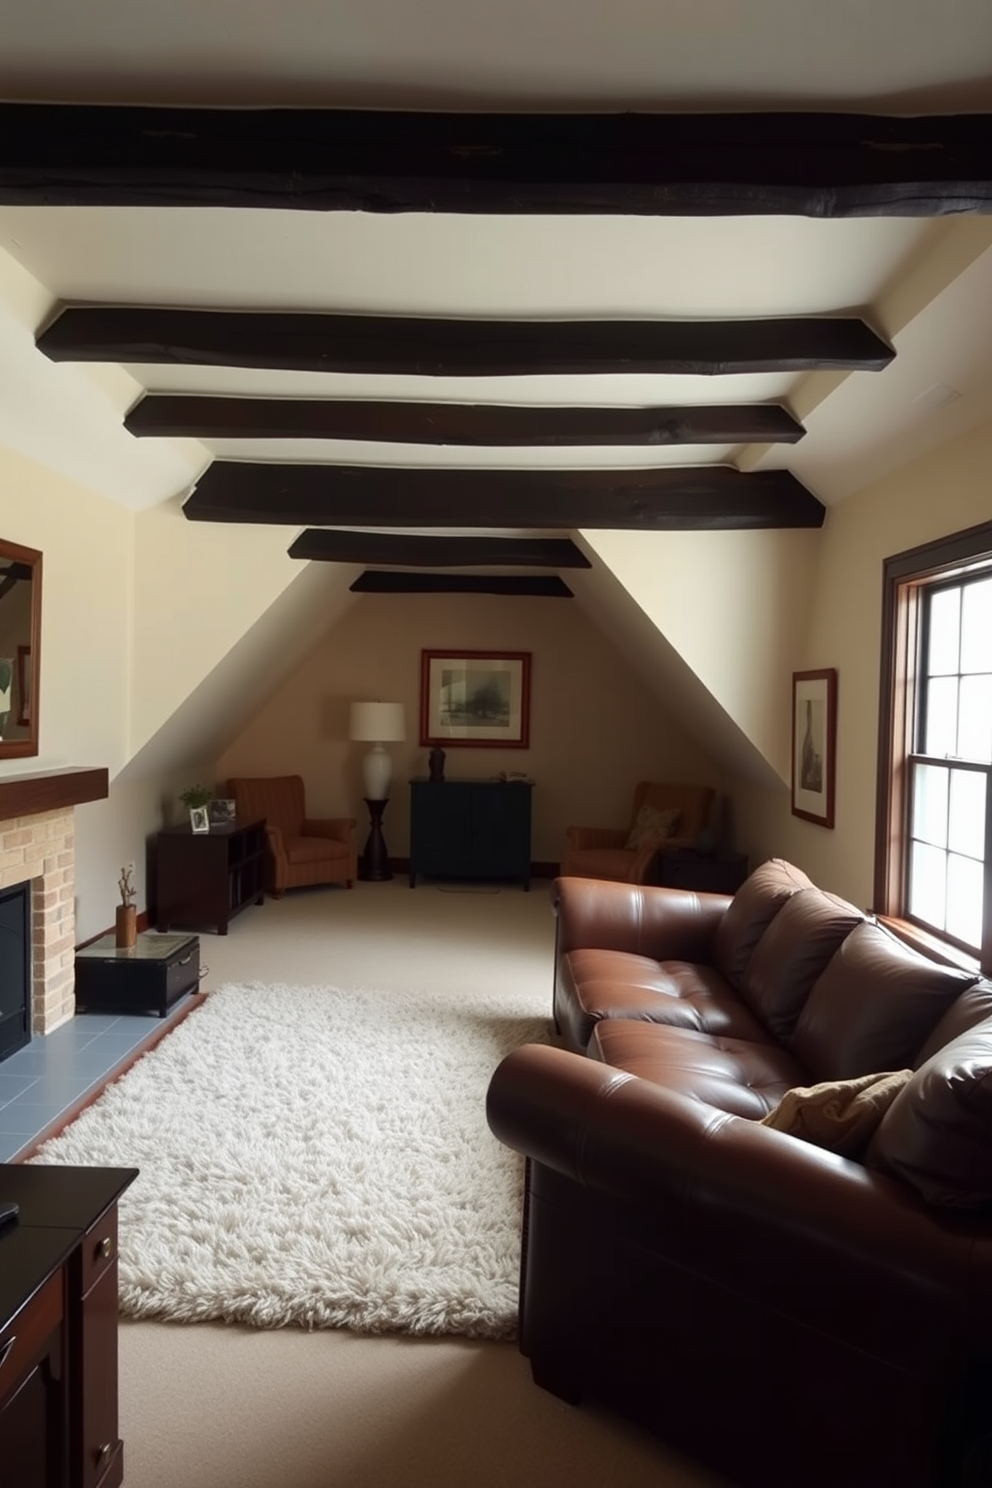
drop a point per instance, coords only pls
(814, 737)
(479, 698)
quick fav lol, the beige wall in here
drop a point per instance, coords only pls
(735, 607)
(87, 626)
(199, 586)
(595, 730)
(947, 491)
(773, 603)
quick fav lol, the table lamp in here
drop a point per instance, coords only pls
(377, 724)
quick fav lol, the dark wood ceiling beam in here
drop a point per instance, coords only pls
(546, 586)
(413, 345)
(809, 164)
(412, 550)
(480, 425)
(697, 498)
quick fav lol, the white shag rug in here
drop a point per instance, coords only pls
(318, 1156)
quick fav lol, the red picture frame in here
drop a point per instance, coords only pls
(475, 699)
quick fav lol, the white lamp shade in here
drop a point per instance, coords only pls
(379, 723)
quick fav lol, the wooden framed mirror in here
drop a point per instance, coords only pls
(20, 649)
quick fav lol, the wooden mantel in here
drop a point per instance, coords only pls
(51, 790)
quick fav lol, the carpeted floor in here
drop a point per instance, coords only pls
(318, 1156)
(223, 1405)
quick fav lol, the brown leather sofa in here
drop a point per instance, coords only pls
(792, 1317)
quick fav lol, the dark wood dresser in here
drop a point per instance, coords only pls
(58, 1328)
(470, 829)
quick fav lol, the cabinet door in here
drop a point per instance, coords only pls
(99, 1450)
(440, 829)
(501, 831)
(32, 1395)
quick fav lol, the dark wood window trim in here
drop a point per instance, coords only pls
(904, 577)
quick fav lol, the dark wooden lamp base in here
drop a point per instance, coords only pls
(374, 864)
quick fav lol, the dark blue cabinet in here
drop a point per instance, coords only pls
(470, 829)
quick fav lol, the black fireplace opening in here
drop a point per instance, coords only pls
(15, 968)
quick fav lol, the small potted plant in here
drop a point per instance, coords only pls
(195, 799)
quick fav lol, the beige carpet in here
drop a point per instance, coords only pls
(223, 1406)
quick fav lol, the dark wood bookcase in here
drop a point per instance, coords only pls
(206, 878)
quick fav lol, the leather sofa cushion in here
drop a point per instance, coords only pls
(792, 953)
(619, 984)
(935, 1135)
(873, 1006)
(754, 906)
(735, 1075)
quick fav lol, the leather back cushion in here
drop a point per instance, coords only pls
(935, 1135)
(973, 1006)
(873, 1006)
(792, 953)
(755, 905)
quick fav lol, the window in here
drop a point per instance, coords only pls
(934, 833)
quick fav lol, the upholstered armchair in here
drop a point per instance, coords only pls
(301, 850)
(673, 816)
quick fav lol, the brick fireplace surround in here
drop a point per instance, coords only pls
(37, 844)
(42, 849)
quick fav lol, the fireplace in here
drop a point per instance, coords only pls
(15, 968)
(38, 851)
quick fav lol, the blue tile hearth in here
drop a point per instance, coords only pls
(42, 1083)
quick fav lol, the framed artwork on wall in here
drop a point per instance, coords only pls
(475, 698)
(814, 738)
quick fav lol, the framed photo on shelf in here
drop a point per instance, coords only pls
(475, 698)
(221, 811)
(814, 740)
(199, 821)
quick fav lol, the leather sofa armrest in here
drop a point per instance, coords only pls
(666, 924)
(338, 828)
(811, 1234)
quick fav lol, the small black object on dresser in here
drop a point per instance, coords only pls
(153, 973)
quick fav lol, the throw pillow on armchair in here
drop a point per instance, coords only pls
(652, 827)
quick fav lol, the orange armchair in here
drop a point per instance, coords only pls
(601, 852)
(301, 850)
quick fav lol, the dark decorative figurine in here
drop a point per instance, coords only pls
(436, 761)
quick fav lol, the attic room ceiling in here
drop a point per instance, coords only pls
(920, 286)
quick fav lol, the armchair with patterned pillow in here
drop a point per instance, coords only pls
(300, 850)
(663, 816)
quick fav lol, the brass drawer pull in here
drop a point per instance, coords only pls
(7, 1348)
(105, 1249)
(186, 960)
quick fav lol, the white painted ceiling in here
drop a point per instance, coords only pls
(925, 285)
